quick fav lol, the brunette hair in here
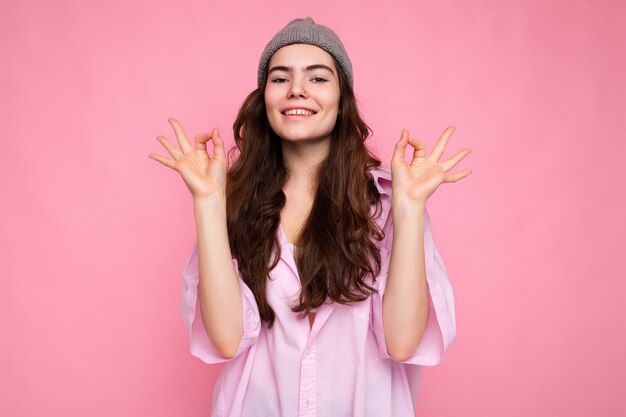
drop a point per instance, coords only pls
(335, 249)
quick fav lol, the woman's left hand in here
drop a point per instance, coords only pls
(416, 181)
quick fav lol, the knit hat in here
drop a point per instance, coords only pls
(309, 32)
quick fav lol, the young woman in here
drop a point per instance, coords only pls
(315, 275)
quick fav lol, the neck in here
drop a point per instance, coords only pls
(301, 160)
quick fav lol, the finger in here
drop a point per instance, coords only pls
(440, 146)
(398, 152)
(180, 135)
(450, 163)
(173, 150)
(170, 163)
(419, 149)
(218, 145)
(201, 140)
(456, 177)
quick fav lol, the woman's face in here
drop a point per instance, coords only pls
(302, 93)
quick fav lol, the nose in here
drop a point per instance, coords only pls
(297, 88)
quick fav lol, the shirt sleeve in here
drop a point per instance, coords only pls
(200, 344)
(441, 326)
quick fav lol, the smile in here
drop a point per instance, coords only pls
(298, 112)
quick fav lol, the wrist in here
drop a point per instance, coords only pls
(406, 206)
(213, 201)
(407, 213)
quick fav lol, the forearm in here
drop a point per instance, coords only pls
(219, 289)
(405, 302)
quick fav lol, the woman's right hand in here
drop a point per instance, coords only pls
(205, 176)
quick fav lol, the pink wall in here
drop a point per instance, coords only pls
(94, 233)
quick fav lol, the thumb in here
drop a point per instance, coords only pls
(218, 145)
(398, 152)
(404, 135)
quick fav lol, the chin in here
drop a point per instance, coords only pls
(302, 137)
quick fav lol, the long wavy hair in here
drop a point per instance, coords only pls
(335, 250)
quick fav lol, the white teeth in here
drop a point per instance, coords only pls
(299, 112)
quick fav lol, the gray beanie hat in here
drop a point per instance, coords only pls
(307, 31)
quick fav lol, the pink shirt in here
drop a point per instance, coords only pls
(337, 367)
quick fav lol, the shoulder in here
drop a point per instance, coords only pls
(382, 180)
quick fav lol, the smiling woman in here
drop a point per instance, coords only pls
(302, 94)
(314, 276)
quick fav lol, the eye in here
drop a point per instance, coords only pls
(279, 80)
(319, 80)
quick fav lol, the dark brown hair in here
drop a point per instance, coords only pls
(335, 249)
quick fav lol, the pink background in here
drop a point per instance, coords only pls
(94, 234)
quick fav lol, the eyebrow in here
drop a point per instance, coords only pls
(309, 68)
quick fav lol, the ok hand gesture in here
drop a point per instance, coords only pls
(416, 181)
(204, 175)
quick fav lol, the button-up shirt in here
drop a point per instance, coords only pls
(337, 367)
